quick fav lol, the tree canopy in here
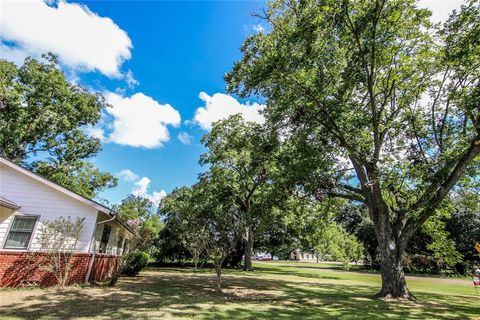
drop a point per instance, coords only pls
(43, 118)
(377, 104)
(141, 214)
(241, 157)
(205, 215)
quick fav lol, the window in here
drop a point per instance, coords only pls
(20, 232)
(119, 246)
(126, 247)
(105, 236)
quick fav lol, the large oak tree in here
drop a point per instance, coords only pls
(42, 125)
(380, 107)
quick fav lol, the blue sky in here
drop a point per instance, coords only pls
(157, 62)
(180, 49)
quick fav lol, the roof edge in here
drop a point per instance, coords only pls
(8, 204)
(100, 207)
(55, 185)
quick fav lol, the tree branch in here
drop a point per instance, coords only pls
(345, 196)
(438, 191)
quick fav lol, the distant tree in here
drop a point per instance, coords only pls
(323, 240)
(196, 243)
(169, 245)
(377, 105)
(234, 259)
(443, 248)
(242, 155)
(463, 229)
(331, 238)
(184, 218)
(141, 213)
(221, 219)
(208, 206)
(354, 218)
(42, 114)
(281, 234)
(355, 249)
(58, 239)
(366, 235)
(317, 228)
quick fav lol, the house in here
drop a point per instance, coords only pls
(264, 256)
(27, 200)
(300, 255)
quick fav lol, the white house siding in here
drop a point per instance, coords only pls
(36, 198)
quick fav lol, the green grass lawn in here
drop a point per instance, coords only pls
(276, 290)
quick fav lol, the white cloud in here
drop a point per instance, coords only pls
(95, 132)
(258, 28)
(157, 197)
(128, 175)
(140, 189)
(221, 106)
(185, 138)
(140, 121)
(82, 39)
(441, 9)
(14, 54)
(141, 186)
(130, 80)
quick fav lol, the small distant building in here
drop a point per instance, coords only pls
(26, 201)
(264, 256)
(299, 255)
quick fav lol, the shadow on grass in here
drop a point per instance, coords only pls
(181, 293)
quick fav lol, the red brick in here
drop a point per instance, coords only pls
(18, 268)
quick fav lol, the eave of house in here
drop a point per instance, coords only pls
(123, 223)
(66, 191)
(8, 204)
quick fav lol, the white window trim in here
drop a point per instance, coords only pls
(34, 230)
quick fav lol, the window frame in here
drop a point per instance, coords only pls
(126, 246)
(9, 229)
(120, 242)
(101, 238)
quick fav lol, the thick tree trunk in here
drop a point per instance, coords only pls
(394, 285)
(392, 242)
(393, 280)
(247, 265)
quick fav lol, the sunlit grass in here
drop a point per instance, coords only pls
(276, 290)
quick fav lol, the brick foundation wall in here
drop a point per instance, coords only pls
(103, 267)
(18, 268)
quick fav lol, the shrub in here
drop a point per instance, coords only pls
(58, 239)
(134, 262)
